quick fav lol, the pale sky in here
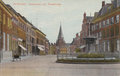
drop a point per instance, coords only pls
(47, 17)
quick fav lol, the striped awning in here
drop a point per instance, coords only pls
(83, 46)
(41, 47)
(22, 47)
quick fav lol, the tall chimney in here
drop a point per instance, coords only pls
(84, 15)
(103, 3)
(77, 35)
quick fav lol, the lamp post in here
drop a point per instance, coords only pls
(0, 44)
(58, 53)
(1, 31)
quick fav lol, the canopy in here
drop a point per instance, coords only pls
(83, 46)
(41, 47)
(19, 39)
(22, 47)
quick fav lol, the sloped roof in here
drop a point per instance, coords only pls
(89, 18)
(60, 33)
(105, 9)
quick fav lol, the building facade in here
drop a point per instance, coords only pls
(75, 43)
(106, 27)
(17, 34)
(85, 32)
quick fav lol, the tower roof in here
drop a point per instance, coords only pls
(60, 35)
(60, 41)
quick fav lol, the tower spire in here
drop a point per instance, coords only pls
(60, 32)
(60, 40)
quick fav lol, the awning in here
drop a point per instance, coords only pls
(83, 46)
(22, 47)
(41, 47)
(19, 39)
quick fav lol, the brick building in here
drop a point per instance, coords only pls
(17, 34)
(106, 27)
(85, 32)
(75, 43)
(6, 27)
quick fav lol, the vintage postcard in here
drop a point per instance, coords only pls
(59, 37)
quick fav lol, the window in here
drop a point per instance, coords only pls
(117, 19)
(100, 35)
(104, 46)
(97, 35)
(116, 30)
(112, 31)
(99, 24)
(103, 23)
(112, 20)
(0, 15)
(118, 42)
(107, 22)
(4, 18)
(108, 46)
(103, 34)
(8, 21)
(94, 27)
(107, 31)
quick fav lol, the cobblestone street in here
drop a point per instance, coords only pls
(46, 66)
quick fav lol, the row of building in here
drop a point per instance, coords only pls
(18, 35)
(101, 32)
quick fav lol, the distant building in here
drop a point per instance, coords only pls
(53, 49)
(75, 43)
(85, 32)
(60, 43)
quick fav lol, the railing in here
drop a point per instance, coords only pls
(107, 56)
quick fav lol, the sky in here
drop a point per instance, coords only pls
(47, 15)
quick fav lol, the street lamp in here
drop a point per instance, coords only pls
(1, 42)
(58, 49)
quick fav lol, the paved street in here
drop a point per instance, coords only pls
(46, 66)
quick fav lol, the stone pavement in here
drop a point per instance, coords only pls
(46, 66)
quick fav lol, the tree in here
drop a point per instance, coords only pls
(77, 50)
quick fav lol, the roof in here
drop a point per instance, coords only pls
(89, 18)
(38, 30)
(10, 7)
(60, 33)
(105, 9)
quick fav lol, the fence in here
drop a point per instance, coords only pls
(75, 56)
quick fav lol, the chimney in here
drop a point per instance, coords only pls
(103, 3)
(84, 15)
(77, 35)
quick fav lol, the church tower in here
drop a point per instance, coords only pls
(60, 41)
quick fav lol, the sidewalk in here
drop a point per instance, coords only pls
(10, 59)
